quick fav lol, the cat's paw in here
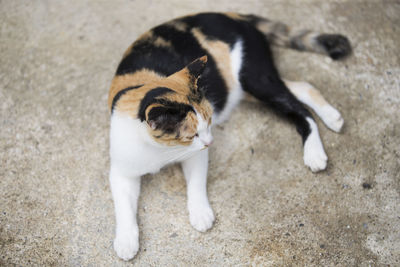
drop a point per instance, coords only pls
(332, 118)
(314, 154)
(201, 217)
(126, 245)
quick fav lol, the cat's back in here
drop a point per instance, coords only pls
(170, 46)
(167, 48)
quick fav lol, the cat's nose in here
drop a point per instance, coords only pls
(208, 142)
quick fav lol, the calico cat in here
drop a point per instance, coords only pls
(179, 79)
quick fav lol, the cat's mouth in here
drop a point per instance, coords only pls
(207, 143)
(205, 147)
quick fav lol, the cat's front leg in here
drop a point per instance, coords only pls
(195, 171)
(125, 191)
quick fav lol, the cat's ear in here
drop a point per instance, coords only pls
(152, 124)
(197, 66)
(189, 75)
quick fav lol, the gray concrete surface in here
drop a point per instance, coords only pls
(57, 59)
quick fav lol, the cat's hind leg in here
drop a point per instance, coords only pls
(311, 97)
(276, 95)
(260, 78)
(195, 171)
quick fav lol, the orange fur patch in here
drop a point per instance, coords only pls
(220, 51)
(205, 109)
(317, 97)
(234, 16)
(159, 41)
(129, 103)
(312, 92)
(188, 128)
(178, 25)
(183, 83)
(121, 82)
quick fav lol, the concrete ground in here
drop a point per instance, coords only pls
(57, 59)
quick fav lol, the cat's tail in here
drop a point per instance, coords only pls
(336, 46)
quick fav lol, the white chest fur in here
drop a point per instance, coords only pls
(135, 153)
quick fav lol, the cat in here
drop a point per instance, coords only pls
(179, 79)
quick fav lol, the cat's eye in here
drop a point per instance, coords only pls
(196, 135)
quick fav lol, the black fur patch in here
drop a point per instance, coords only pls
(336, 45)
(168, 117)
(218, 26)
(121, 93)
(195, 97)
(151, 98)
(261, 79)
(142, 57)
(184, 49)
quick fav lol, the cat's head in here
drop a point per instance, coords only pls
(175, 110)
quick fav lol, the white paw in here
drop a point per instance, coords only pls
(201, 217)
(332, 118)
(314, 154)
(316, 161)
(126, 245)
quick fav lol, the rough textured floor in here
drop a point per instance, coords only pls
(57, 59)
